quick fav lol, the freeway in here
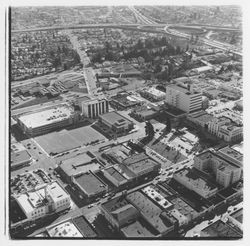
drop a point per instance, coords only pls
(147, 23)
(215, 44)
(140, 17)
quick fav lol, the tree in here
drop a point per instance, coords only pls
(157, 68)
(149, 130)
(178, 50)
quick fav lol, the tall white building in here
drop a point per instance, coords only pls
(183, 97)
(94, 107)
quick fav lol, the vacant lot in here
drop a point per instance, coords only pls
(57, 142)
(86, 135)
(65, 140)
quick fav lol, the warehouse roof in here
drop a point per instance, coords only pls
(47, 116)
(79, 164)
(89, 183)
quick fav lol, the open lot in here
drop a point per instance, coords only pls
(86, 135)
(65, 140)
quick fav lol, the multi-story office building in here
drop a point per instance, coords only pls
(183, 97)
(231, 133)
(216, 123)
(92, 108)
(226, 170)
(223, 128)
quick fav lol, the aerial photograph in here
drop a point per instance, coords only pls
(125, 122)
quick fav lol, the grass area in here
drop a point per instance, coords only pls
(39, 100)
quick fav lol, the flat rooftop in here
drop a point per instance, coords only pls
(19, 157)
(238, 215)
(119, 152)
(157, 197)
(84, 227)
(220, 229)
(32, 200)
(149, 210)
(47, 116)
(115, 174)
(205, 118)
(57, 192)
(232, 154)
(90, 183)
(79, 164)
(82, 99)
(196, 180)
(65, 229)
(155, 92)
(139, 163)
(166, 151)
(183, 207)
(137, 229)
(228, 157)
(115, 118)
(114, 204)
(181, 89)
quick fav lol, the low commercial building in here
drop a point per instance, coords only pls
(78, 164)
(139, 228)
(116, 178)
(140, 166)
(19, 156)
(123, 101)
(201, 118)
(117, 153)
(46, 120)
(152, 213)
(45, 200)
(119, 212)
(77, 227)
(219, 229)
(64, 229)
(153, 94)
(89, 185)
(116, 122)
(185, 213)
(143, 113)
(236, 218)
(157, 197)
(163, 153)
(226, 170)
(84, 227)
(202, 69)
